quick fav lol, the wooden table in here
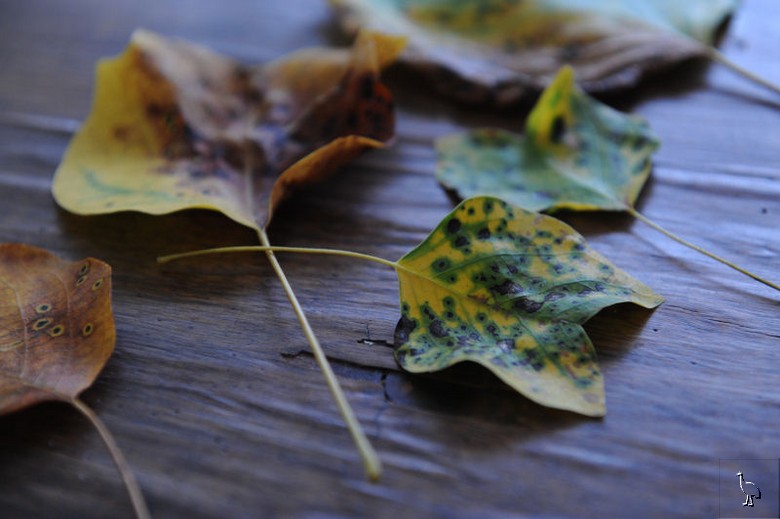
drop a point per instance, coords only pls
(222, 413)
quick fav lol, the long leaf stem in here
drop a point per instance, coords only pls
(136, 497)
(717, 56)
(298, 250)
(639, 216)
(371, 461)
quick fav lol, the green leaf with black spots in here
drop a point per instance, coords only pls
(577, 153)
(506, 288)
(509, 289)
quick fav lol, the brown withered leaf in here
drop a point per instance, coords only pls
(176, 126)
(495, 51)
(56, 325)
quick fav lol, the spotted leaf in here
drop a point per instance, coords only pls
(176, 126)
(56, 325)
(576, 154)
(497, 50)
(509, 289)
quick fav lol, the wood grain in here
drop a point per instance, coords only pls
(220, 411)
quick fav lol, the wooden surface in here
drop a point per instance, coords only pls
(220, 411)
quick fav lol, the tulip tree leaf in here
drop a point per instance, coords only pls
(176, 126)
(496, 50)
(509, 289)
(56, 325)
(576, 154)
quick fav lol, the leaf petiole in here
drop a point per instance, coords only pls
(371, 461)
(639, 216)
(136, 497)
(719, 57)
(269, 248)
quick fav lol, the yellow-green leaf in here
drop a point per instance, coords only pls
(496, 50)
(577, 153)
(509, 289)
(176, 126)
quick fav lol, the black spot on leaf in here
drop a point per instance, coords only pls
(508, 287)
(441, 264)
(453, 225)
(558, 129)
(403, 329)
(438, 329)
(527, 305)
(462, 241)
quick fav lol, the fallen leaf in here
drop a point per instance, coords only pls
(56, 325)
(176, 126)
(497, 50)
(56, 334)
(577, 154)
(509, 289)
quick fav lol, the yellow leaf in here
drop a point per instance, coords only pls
(176, 126)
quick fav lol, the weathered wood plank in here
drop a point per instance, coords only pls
(220, 415)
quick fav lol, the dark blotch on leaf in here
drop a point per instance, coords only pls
(483, 234)
(438, 329)
(507, 287)
(453, 225)
(403, 329)
(462, 241)
(441, 264)
(558, 128)
(527, 305)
